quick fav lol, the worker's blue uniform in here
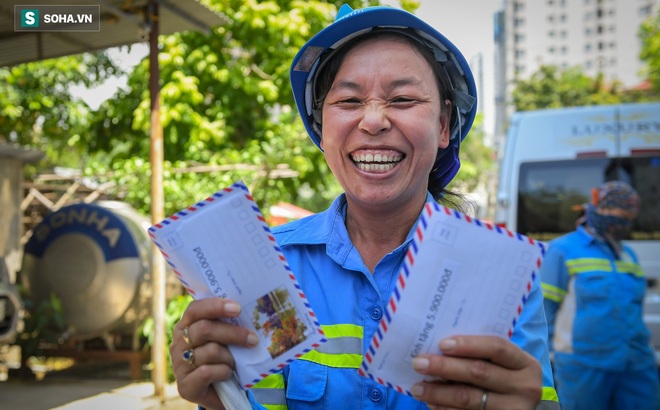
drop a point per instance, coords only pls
(349, 302)
(593, 302)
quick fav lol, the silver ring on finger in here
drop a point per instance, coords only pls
(484, 400)
(186, 336)
(189, 357)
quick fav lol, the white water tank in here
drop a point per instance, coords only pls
(95, 259)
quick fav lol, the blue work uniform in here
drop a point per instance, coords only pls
(349, 302)
(593, 302)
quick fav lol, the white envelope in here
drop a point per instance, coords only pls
(223, 247)
(461, 276)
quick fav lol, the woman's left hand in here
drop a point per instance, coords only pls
(479, 372)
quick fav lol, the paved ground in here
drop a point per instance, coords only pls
(88, 386)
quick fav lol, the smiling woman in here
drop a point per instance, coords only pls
(379, 105)
(389, 100)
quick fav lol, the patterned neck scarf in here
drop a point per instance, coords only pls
(609, 227)
(614, 229)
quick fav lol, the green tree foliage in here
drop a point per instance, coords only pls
(175, 308)
(37, 110)
(226, 107)
(649, 34)
(551, 87)
(477, 159)
(43, 326)
(225, 102)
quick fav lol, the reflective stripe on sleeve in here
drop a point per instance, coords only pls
(553, 293)
(548, 405)
(549, 400)
(269, 392)
(549, 394)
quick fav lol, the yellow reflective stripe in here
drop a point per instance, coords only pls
(275, 406)
(346, 330)
(549, 394)
(580, 265)
(343, 348)
(273, 381)
(629, 267)
(553, 293)
(344, 360)
(269, 392)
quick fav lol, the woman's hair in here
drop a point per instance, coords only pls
(328, 71)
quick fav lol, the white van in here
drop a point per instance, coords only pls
(552, 160)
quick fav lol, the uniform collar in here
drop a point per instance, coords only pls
(587, 236)
(590, 238)
(329, 228)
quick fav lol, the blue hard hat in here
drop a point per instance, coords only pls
(351, 23)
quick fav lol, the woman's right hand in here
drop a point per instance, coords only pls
(200, 333)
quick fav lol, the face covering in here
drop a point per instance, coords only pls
(608, 226)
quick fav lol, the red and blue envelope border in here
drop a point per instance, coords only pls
(404, 275)
(178, 216)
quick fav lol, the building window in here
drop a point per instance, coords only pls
(564, 50)
(551, 33)
(587, 48)
(645, 11)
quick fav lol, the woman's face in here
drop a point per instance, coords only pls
(383, 123)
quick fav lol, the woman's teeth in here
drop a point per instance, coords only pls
(376, 162)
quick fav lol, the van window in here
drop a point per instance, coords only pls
(550, 192)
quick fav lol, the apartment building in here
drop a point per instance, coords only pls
(601, 36)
